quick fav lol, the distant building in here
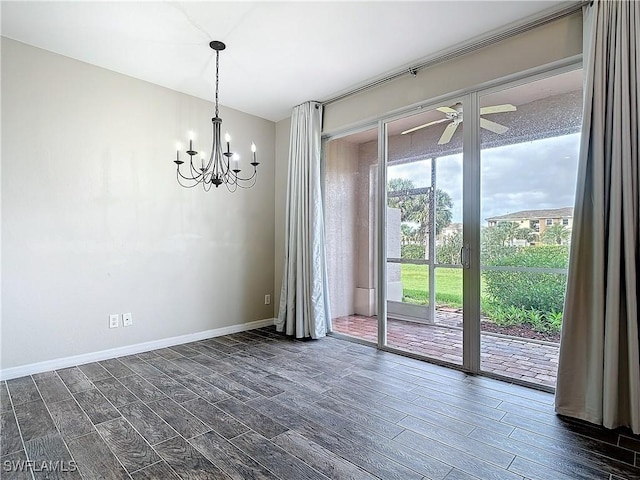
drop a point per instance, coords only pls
(537, 220)
(448, 231)
(451, 229)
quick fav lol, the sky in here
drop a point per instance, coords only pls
(532, 175)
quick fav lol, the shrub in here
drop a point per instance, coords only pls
(415, 251)
(543, 292)
(554, 318)
(515, 315)
(496, 314)
(537, 321)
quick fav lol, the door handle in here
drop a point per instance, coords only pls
(464, 256)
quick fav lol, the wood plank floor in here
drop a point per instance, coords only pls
(256, 405)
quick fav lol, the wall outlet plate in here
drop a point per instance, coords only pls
(267, 299)
(127, 319)
(114, 320)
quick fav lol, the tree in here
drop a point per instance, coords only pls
(414, 208)
(555, 235)
(408, 233)
(502, 234)
(448, 252)
(524, 233)
(404, 201)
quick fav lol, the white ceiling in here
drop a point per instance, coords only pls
(279, 54)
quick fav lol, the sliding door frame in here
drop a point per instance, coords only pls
(471, 235)
(470, 213)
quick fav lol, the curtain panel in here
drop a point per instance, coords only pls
(304, 300)
(599, 367)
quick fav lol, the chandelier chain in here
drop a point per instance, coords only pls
(217, 79)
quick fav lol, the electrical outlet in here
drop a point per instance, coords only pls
(127, 319)
(114, 320)
(267, 299)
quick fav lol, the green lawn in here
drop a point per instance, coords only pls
(415, 281)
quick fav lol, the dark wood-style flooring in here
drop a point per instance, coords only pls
(256, 405)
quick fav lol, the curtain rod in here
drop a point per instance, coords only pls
(468, 48)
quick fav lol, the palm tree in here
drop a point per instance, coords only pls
(506, 232)
(408, 233)
(415, 207)
(524, 233)
(555, 235)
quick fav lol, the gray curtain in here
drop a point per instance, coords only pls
(304, 300)
(599, 368)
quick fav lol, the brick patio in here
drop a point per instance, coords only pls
(531, 361)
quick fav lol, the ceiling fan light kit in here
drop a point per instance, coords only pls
(454, 115)
(222, 167)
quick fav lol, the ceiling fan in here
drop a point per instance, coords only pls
(454, 115)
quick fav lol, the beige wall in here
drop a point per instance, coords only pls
(94, 223)
(341, 221)
(544, 45)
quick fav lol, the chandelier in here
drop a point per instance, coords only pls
(222, 167)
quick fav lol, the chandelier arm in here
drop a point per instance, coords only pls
(206, 179)
(246, 179)
(240, 185)
(210, 162)
(252, 183)
(195, 176)
(237, 181)
(194, 171)
(231, 187)
(215, 172)
(186, 178)
(213, 145)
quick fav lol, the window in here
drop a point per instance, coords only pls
(565, 222)
(549, 222)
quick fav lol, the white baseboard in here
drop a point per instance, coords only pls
(30, 369)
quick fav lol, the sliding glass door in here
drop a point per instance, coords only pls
(527, 196)
(423, 232)
(448, 227)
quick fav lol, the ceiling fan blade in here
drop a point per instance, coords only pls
(448, 133)
(425, 125)
(492, 126)
(446, 110)
(507, 107)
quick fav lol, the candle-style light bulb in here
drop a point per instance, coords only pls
(235, 163)
(253, 151)
(192, 135)
(227, 138)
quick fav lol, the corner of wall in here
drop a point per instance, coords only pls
(283, 131)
